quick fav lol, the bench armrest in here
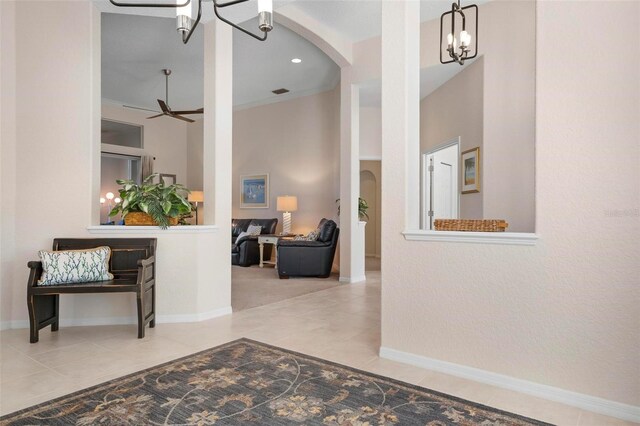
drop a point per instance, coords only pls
(36, 272)
(146, 262)
(146, 271)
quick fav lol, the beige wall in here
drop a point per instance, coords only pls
(508, 131)
(455, 110)
(51, 158)
(194, 155)
(295, 142)
(370, 133)
(565, 312)
(371, 191)
(50, 172)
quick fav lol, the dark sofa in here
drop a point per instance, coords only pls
(247, 252)
(309, 258)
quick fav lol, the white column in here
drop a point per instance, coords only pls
(401, 114)
(217, 148)
(351, 247)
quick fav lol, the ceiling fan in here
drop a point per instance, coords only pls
(164, 105)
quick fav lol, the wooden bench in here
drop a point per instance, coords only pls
(133, 267)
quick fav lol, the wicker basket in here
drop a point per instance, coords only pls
(143, 219)
(475, 225)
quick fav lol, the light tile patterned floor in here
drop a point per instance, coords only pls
(340, 324)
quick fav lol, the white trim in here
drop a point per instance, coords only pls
(370, 158)
(574, 399)
(117, 229)
(162, 319)
(504, 238)
(350, 280)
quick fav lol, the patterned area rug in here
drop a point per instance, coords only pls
(246, 382)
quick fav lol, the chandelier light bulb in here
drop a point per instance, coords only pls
(265, 6)
(184, 15)
(117, 200)
(449, 39)
(265, 16)
(463, 38)
(102, 200)
(110, 196)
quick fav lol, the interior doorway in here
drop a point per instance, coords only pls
(370, 191)
(440, 183)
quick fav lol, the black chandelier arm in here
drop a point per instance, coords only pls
(187, 36)
(229, 3)
(115, 3)
(226, 21)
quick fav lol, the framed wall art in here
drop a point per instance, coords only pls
(471, 170)
(254, 191)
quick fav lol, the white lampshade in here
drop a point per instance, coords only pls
(196, 197)
(109, 196)
(287, 203)
(265, 6)
(103, 200)
(117, 200)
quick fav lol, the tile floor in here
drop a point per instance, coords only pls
(340, 324)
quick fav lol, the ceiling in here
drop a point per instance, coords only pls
(359, 20)
(430, 79)
(135, 49)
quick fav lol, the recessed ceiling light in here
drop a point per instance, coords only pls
(296, 60)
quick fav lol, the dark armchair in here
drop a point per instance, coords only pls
(309, 258)
(246, 252)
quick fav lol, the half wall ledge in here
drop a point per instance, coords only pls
(502, 238)
(119, 229)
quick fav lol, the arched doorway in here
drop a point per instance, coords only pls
(370, 191)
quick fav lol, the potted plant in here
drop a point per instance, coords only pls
(362, 208)
(151, 203)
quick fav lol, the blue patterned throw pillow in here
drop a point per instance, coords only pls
(75, 266)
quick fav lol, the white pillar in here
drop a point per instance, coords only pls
(217, 153)
(401, 114)
(351, 248)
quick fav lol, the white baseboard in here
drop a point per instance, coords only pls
(351, 280)
(162, 319)
(574, 399)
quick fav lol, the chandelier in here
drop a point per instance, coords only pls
(186, 23)
(459, 45)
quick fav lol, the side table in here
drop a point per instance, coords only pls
(271, 239)
(268, 239)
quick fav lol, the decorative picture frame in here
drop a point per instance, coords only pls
(168, 179)
(254, 191)
(470, 162)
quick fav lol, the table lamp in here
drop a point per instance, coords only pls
(287, 204)
(196, 197)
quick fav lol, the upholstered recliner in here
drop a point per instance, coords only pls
(309, 258)
(246, 252)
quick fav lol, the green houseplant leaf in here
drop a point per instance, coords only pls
(158, 200)
(363, 206)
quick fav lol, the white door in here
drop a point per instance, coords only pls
(440, 184)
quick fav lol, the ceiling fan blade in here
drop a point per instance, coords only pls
(156, 116)
(142, 109)
(193, 111)
(163, 106)
(179, 117)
